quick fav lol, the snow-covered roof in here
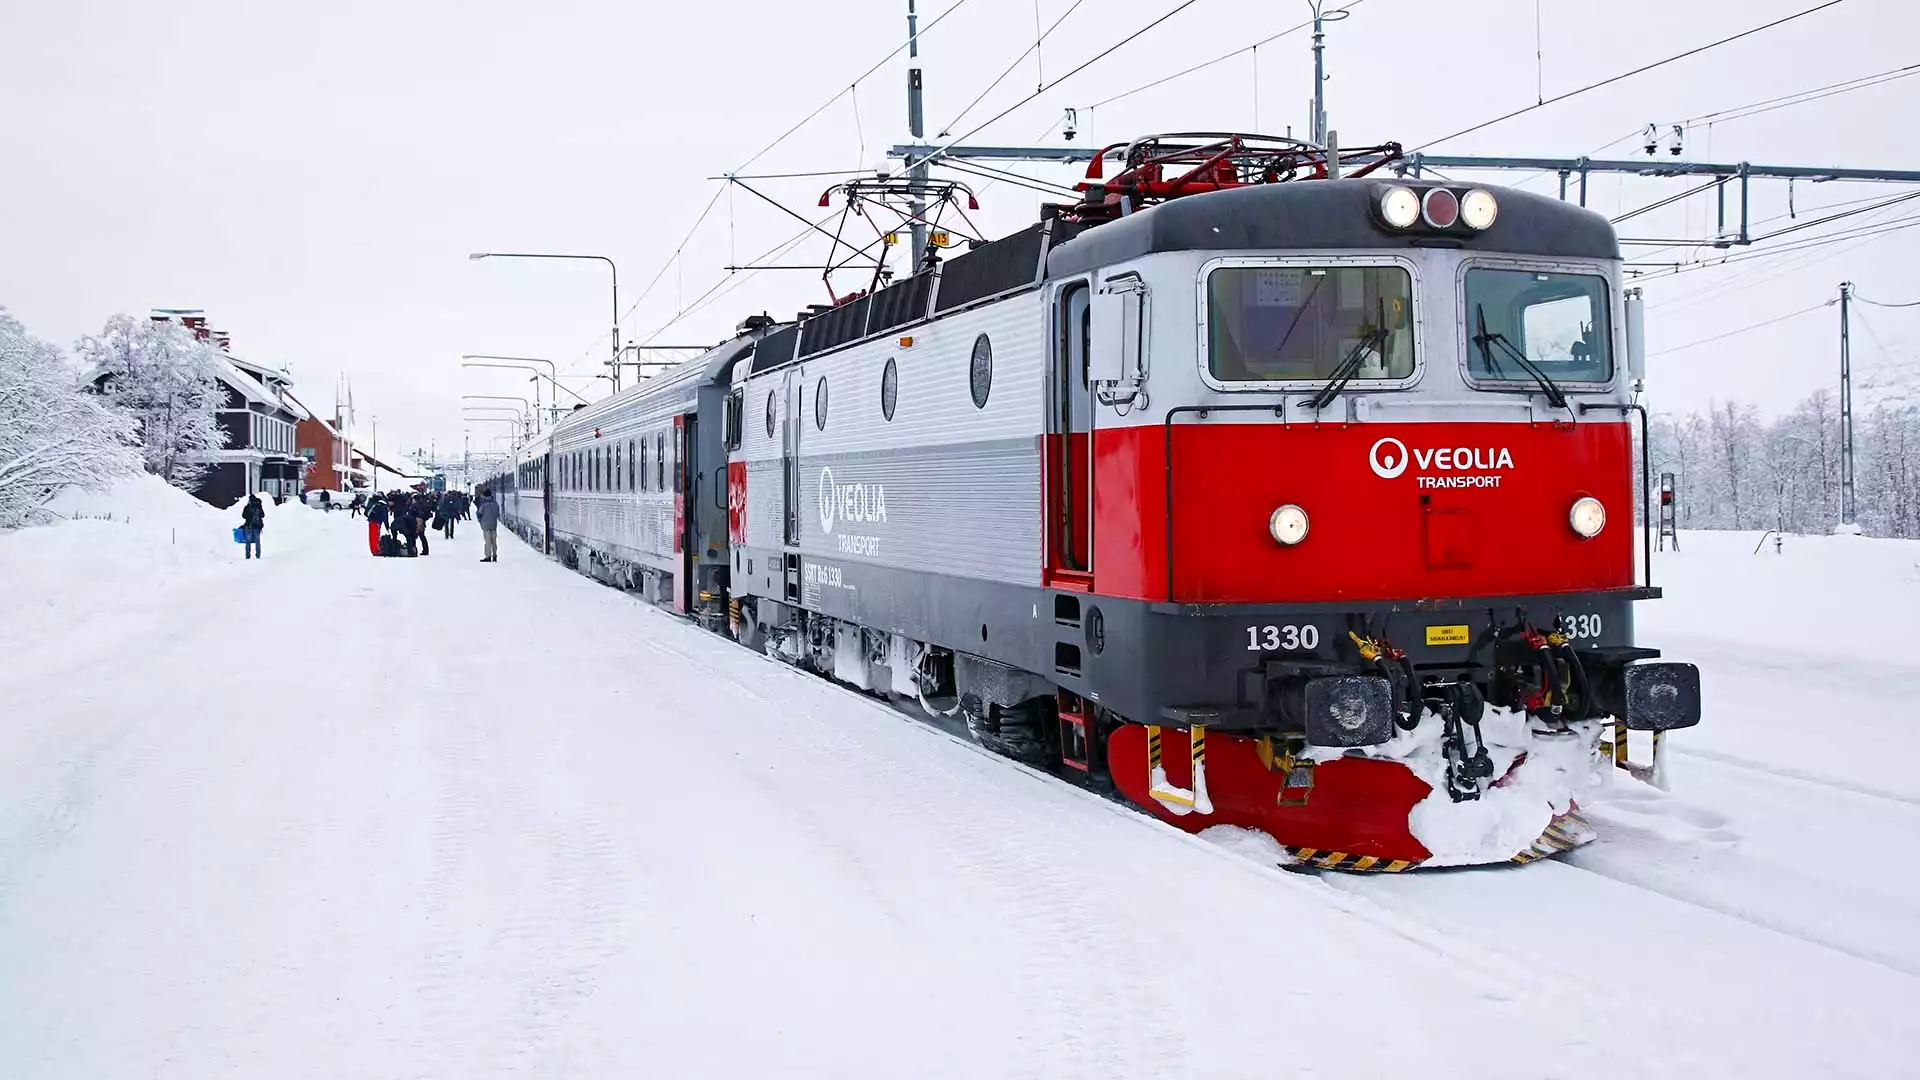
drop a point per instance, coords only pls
(309, 414)
(247, 386)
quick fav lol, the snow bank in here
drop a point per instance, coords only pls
(140, 539)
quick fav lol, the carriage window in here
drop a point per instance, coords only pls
(1299, 324)
(643, 466)
(660, 461)
(1557, 322)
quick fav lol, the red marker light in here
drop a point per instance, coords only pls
(1441, 208)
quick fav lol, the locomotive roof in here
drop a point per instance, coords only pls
(1329, 214)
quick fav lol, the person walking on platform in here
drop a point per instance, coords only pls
(252, 520)
(488, 512)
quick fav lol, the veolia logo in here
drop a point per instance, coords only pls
(863, 503)
(1388, 457)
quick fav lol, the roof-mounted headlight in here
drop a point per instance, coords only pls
(1478, 208)
(1399, 207)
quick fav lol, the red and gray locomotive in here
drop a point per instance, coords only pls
(1270, 497)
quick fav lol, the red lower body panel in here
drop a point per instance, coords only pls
(1356, 805)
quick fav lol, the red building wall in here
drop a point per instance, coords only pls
(313, 435)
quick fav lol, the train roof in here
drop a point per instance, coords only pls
(1326, 214)
(708, 367)
(1295, 216)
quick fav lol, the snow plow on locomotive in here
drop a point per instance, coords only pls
(1270, 499)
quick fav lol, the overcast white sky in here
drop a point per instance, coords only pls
(314, 175)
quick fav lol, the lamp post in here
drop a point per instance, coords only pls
(525, 363)
(518, 413)
(614, 363)
(517, 424)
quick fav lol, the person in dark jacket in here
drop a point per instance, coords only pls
(378, 514)
(405, 517)
(252, 519)
(489, 514)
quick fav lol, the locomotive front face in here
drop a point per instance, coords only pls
(1391, 446)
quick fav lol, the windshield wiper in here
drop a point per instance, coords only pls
(1555, 396)
(1372, 340)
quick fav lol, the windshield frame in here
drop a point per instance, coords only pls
(1203, 355)
(1524, 383)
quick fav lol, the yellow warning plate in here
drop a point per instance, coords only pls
(1449, 635)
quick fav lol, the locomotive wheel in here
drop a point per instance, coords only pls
(1018, 732)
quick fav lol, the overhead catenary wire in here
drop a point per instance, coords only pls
(1878, 303)
(733, 280)
(934, 153)
(862, 77)
(1744, 279)
(1817, 93)
(1204, 64)
(1610, 80)
(1011, 68)
(1745, 329)
(1647, 255)
(1875, 230)
(762, 152)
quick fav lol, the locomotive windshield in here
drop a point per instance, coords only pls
(1298, 323)
(1555, 323)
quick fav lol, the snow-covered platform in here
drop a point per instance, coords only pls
(332, 816)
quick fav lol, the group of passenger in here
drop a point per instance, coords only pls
(406, 517)
(398, 521)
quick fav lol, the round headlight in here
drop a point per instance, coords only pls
(1478, 208)
(1288, 524)
(1399, 207)
(1440, 207)
(1587, 517)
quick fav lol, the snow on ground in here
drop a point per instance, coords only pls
(326, 815)
(1770, 902)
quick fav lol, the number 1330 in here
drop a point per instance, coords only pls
(1276, 638)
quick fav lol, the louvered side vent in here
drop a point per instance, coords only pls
(834, 327)
(1007, 264)
(901, 303)
(775, 349)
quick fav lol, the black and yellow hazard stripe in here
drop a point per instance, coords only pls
(1340, 860)
(1566, 832)
(1153, 748)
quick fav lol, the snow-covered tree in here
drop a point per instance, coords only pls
(168, 381)
(51, 434)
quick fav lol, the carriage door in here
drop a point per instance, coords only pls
(686, 507)
(546, 504)
(790, 481)
(1070, 435)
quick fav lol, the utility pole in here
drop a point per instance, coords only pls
(1846, 414)
(1319, 106)
(917, 125)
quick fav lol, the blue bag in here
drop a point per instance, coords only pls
(240, 535)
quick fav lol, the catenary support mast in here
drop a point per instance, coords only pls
(1846, 412)
(917, 125)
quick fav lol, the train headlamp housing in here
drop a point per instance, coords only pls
(1440, 208)
(1287, 525)
(1587, 517)
(1478, 208)
(1399, 206)
(1347, 710)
